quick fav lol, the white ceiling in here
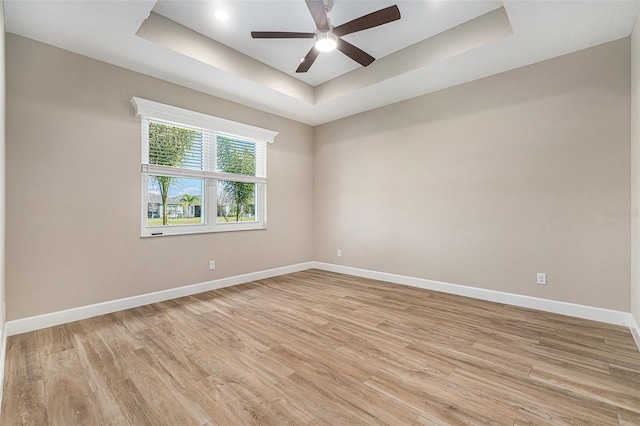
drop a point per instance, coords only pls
(435, 45)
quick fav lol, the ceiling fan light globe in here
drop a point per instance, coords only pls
(326, 43)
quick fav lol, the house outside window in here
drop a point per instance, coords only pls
(200, 173)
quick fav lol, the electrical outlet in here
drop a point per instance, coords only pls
(541, 278)
(339, 253)
(212, 264)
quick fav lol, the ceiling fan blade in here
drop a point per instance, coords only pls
(308, 60)
(380, 17)
(280, 34)
(319, 14)
(355, 53)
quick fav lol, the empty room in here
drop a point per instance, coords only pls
(319, 212)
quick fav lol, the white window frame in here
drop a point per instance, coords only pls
(150, 110)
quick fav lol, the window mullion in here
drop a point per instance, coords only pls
(239, 178)
(154, 169)
(211, 195)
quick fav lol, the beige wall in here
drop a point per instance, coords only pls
(483, 185)
(635, 172)
(487, 183)
(73, 188)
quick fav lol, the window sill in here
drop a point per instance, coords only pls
(208, 231)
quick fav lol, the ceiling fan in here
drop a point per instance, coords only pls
(328, 37)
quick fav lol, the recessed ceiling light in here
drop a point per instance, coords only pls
(221, 15)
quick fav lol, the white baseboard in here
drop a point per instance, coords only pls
(580, 311)
(38, 322)
(635, 330)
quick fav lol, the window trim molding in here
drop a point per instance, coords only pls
(155, 110)
(147, 108)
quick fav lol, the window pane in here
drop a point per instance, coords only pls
(174, 146)
(236, 156)
(236, 201)
(183, 201)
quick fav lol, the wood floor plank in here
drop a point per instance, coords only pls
(110, 409)
(100, 363)
(23, 404)
(120, 339)
(255, 386)
(320, 348)
(626, 359)
(123, 404)
(180, 321)
(223, 404)
(161, 391)
(25, 367)
(54, 339)
(349, 388)
(173, 359)
(468, 359)
(255, 340)
(133, 320)
(438, 403)
(371, 353)
(534, 398)
(609, 391)
(535, 354)
(629, 375)
(68, 396)
(628, 418)
(271, 412)
(329, 407)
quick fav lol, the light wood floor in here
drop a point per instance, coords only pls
(316, 348)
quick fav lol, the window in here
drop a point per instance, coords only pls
(200, 173)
